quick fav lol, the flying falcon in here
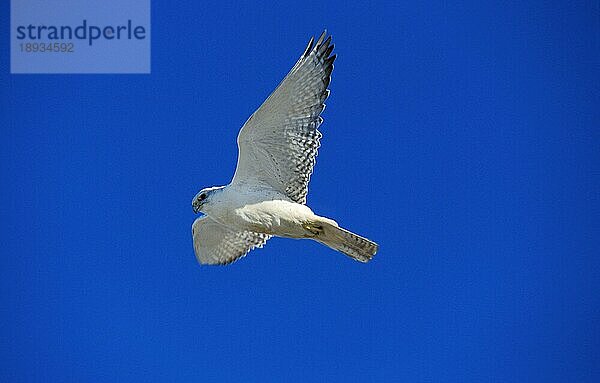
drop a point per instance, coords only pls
(267, 195)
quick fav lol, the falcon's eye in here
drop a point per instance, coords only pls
(202, 197)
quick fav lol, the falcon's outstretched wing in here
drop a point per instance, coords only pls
(216, 244)
(278, 144)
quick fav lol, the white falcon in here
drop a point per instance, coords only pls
(267, 195)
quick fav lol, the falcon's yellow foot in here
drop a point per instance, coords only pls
(313, 229)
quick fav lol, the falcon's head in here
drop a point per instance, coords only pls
(203, 198)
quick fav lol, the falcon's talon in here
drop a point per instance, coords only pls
(315, 230)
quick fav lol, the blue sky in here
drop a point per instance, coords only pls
(462, 137)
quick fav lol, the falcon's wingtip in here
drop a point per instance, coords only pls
(322, 37)
(309, 47)
(322, 46)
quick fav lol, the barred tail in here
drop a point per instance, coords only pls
(344, 241)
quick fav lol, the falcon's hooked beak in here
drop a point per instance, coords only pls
(196, 206)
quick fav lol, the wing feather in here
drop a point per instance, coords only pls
(216, 244)
(279, 143)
